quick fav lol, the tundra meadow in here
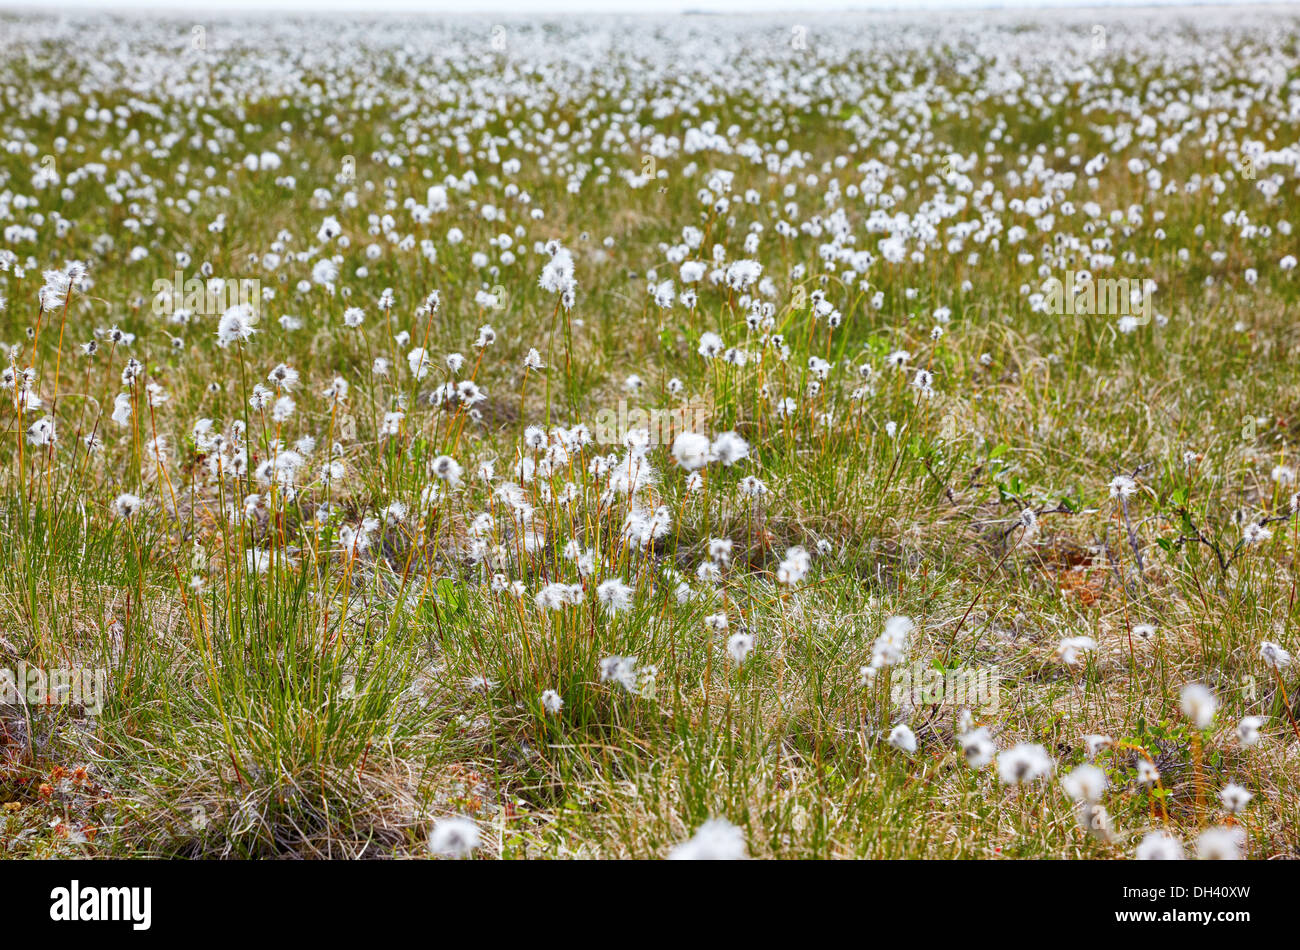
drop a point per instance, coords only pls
(860, 436)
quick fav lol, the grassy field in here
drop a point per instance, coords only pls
(694, 437)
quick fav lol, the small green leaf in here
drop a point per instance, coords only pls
(450, 596)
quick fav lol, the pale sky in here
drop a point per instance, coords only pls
(549, 7)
